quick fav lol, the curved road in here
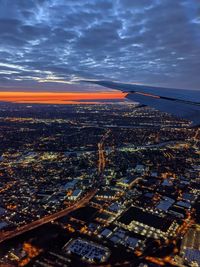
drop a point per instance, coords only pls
(8, 235)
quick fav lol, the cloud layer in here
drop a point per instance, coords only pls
(46, 44)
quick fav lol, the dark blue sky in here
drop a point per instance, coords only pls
(46, 44)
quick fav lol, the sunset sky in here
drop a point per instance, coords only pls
(61, 98)
(48, 45)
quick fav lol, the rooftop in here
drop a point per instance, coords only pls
(136, 214)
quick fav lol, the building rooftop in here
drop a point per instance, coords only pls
(89, 251)
(136, 214)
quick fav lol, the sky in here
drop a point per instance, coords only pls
(97, 97)
(48, 45)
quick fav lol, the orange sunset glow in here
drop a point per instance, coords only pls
(59, 98)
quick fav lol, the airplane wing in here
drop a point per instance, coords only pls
(179, 102)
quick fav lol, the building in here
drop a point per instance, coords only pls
(75, 194)
(127, 182)
(87, 250)
(147, 224)
(190, 247)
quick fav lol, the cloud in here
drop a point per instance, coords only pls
(44, 44)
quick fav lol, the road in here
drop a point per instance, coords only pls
(102, 159)
(161, 144)
(101, 152)
(10, 234)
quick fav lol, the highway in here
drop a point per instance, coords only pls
(23, 229)
(101, 152)
(102, 160)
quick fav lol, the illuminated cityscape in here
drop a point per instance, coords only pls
(99, 133)
(98, 184)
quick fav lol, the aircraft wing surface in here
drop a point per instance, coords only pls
(179, 102)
